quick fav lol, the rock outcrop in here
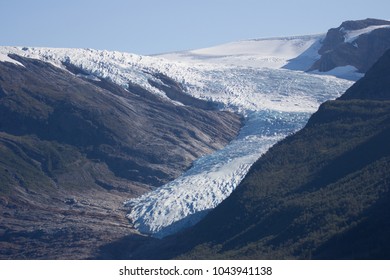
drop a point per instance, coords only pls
(360, 51)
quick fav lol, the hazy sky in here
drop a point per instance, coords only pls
(156, 26)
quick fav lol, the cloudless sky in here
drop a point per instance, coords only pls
(157, 26)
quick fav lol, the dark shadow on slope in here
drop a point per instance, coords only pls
(356, 159)
(367, 240)
(275, 227)
(176, 92)
(140, 247)
(130, 247)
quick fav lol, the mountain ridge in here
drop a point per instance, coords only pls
(361, 52)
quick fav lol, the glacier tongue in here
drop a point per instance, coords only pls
(185, 201)
(275, 103)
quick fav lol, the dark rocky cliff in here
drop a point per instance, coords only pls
(361, 53)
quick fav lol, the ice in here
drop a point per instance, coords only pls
(185, 201)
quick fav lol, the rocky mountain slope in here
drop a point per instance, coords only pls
(355, 43)
(323, 192)
(72, 147)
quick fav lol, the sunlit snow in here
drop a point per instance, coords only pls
(270, 53)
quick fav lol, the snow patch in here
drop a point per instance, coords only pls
(352, 35)
(344, 72)
(6, 58)
(89, 77)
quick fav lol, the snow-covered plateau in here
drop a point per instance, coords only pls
(259, 79)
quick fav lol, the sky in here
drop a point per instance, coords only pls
(160, 26)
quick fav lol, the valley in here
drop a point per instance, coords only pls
(102, 147)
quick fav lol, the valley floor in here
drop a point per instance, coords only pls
(72, 227)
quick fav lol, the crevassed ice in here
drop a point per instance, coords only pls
(275, 103)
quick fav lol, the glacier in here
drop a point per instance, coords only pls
(250, 78)
(184, 201)
(275, 103)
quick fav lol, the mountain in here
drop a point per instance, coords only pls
(357, 43)
(347, 51)
(73, 146)
(86, 130)
(322, 193)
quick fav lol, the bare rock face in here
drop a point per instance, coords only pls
(376, 83)
(361, 53)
